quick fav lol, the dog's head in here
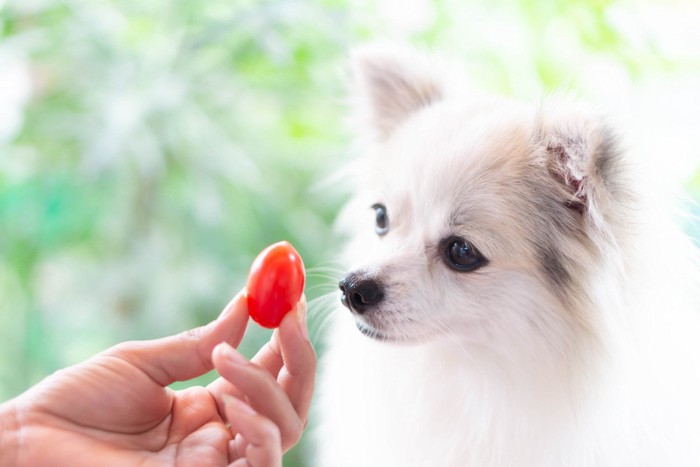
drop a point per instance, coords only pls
(481, 219)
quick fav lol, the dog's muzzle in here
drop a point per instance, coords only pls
(360, 292)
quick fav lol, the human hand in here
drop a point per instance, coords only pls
(116, 408)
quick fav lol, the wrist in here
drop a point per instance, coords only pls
(9, 434)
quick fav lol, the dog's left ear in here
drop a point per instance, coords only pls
(391, 83)
(581, 152)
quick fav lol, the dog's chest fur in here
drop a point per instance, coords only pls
(380, 406)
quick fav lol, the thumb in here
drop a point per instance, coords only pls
(188, 354)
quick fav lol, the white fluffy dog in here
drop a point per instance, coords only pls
(514, 300)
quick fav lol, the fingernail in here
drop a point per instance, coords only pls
(301, 317)
(232, 354)
(237, 405)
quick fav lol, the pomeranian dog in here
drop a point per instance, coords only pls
(513, 298)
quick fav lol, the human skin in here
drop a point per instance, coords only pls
(116, 408)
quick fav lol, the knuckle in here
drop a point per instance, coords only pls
(313, 359)
(292, 433)
(191, 334)
(310, 357)
(123, 349)
(270, 431)
(198, 392)
(265, 380)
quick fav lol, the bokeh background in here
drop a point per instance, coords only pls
(150, 149)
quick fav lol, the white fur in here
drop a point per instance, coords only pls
(509, 365)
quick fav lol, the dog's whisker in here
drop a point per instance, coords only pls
(325, 289)
(320, 310)
(317, 304)
(332, 280)
(335, 270)
(324, 273)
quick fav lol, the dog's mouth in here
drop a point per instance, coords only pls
(372, 333)
(381, 336)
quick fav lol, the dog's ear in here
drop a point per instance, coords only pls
(391, 83)
(581, 153)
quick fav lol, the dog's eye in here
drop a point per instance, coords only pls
(381, 223)
(461, 255)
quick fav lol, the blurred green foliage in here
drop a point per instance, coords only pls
(148, 150)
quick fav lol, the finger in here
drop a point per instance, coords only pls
(188, 354)
(236, 446)
(296, 355)
(298, 375)
(262, 446)
(268, 357)
(261, 390)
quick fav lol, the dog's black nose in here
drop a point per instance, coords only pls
(360, 292)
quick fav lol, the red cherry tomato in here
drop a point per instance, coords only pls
(275, 284)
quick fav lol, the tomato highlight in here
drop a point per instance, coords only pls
(275, 284)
